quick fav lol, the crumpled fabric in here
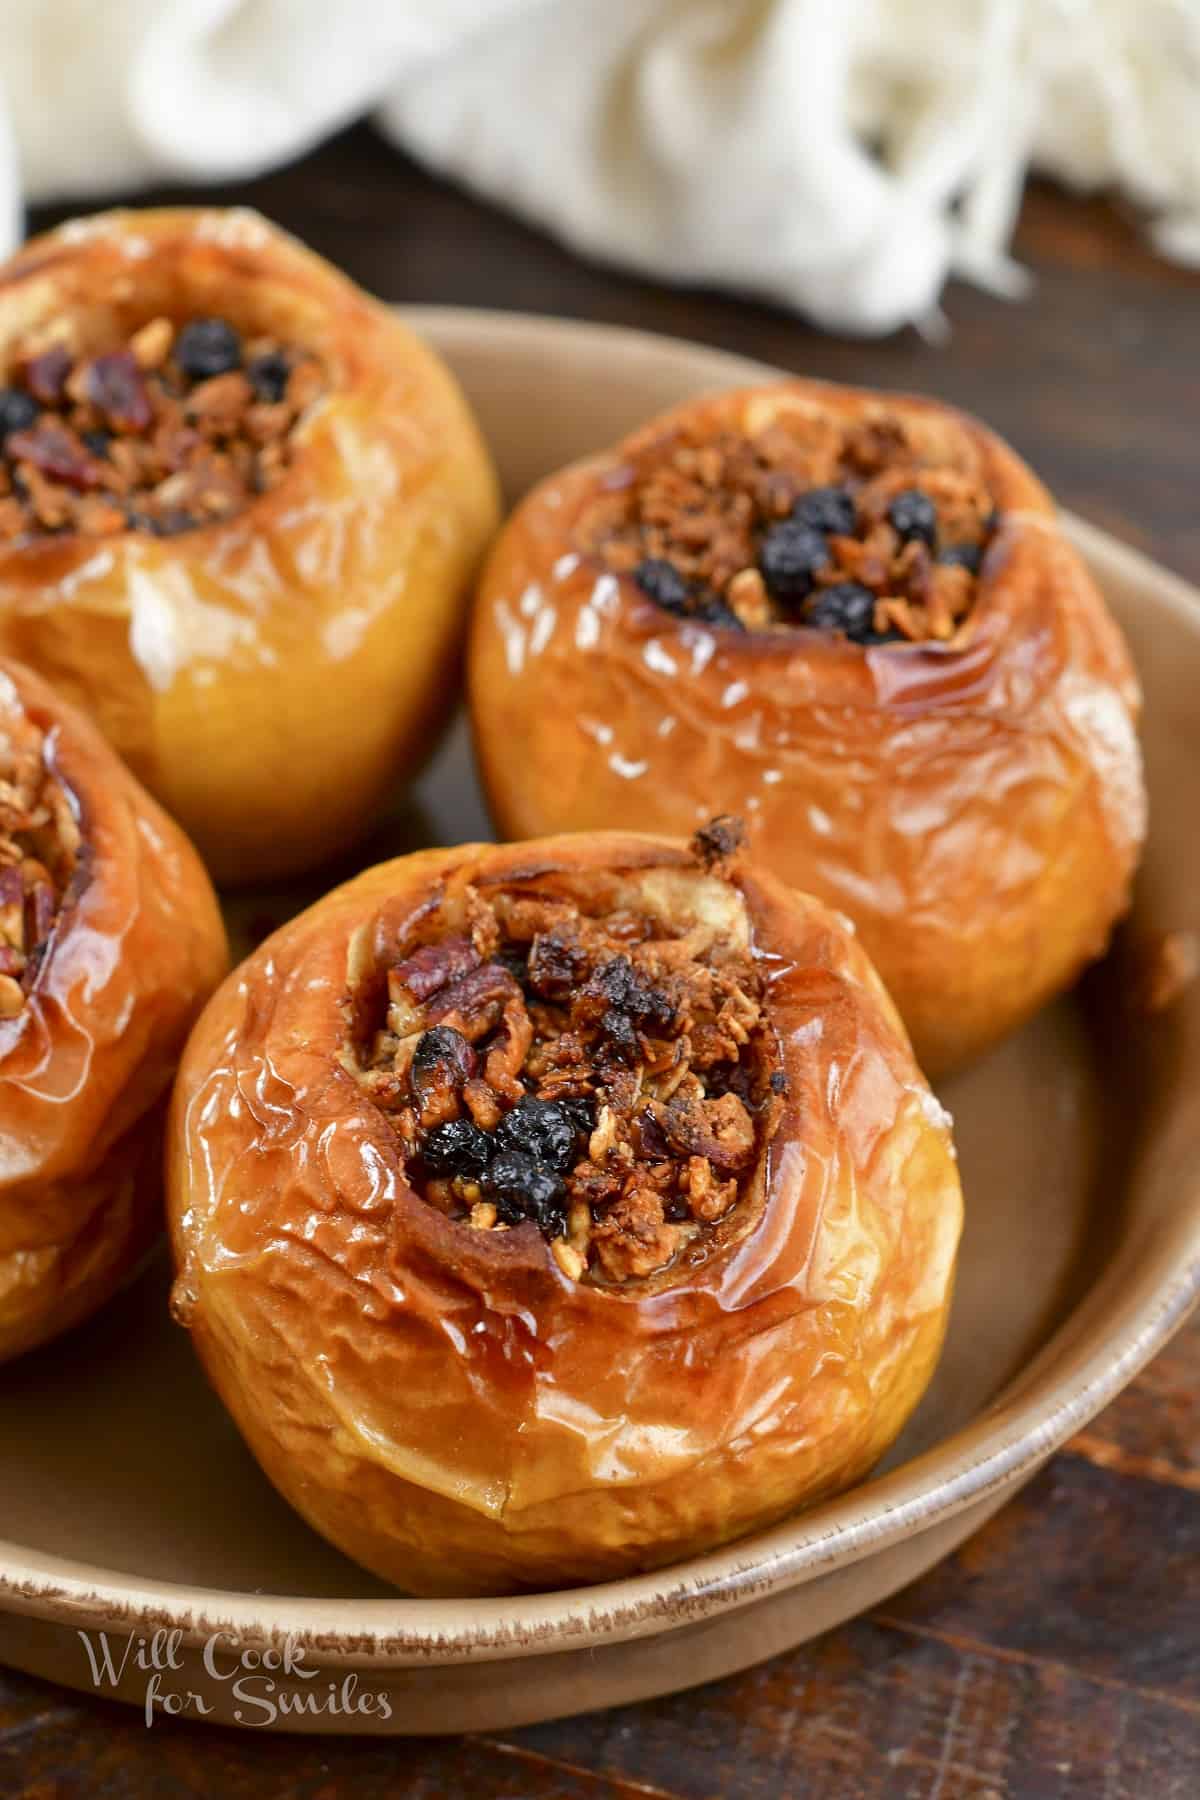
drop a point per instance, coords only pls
(839, 156)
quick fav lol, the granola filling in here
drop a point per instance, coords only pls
(875, 531)
(591, 1068)
(39, 856)
(180, 426)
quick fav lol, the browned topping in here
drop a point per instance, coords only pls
(872, 530)
(717, 841)
(179, 427)
(39, 855)
(579, 1064)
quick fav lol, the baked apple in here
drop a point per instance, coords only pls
(110, 942)
(852, 619)
(240, 505)
(551, 1211)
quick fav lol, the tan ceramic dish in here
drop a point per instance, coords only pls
(128, 1502)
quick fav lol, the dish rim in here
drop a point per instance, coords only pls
(1096, 1350)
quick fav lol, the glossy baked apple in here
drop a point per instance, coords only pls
(550, 1211)
(240, 504)
(110, 942)
(852, 619)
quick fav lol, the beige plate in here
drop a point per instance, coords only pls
(128, 1502)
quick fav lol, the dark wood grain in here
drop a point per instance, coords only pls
(1057, 1655)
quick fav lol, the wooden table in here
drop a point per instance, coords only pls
(1057, 1654)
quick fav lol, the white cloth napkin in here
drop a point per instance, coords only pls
(840, 156)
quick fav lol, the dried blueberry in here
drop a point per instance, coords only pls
(828, 509)
(661, 582)
(269, 376)
(912, 514)
(582, 1113)
(456, 1148)
(98, 442)
(848, 607)
(712, 611)
(790, 556)
(962, 556)
(208, 347)
(523, 1188)
(541, 1129)
(17, 411)
(168, 523)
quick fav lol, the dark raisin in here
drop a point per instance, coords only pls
(98, 442)
(620, 1034)
(618, 982)
(541, 1129)
(17, 411)
(207, 347)
(617, 1000)
(515, 958)
(556, 964)
(46, 375)
(117, 388)
(651, 1139)
(848, 607)
(456, 1148)
(661, 582)
(442, 1057)
(717, 841)
(962, 556)
(57, 452)
(827, 509)
(269, 376)
(523, 1188)
(912, 514)
(779, 1082)
(790, 557)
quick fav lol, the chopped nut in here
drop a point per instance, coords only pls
(152, 343)
(604, 1136)
(748, 598)
(218, 403)
(633, 1237)
(568, 1259)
